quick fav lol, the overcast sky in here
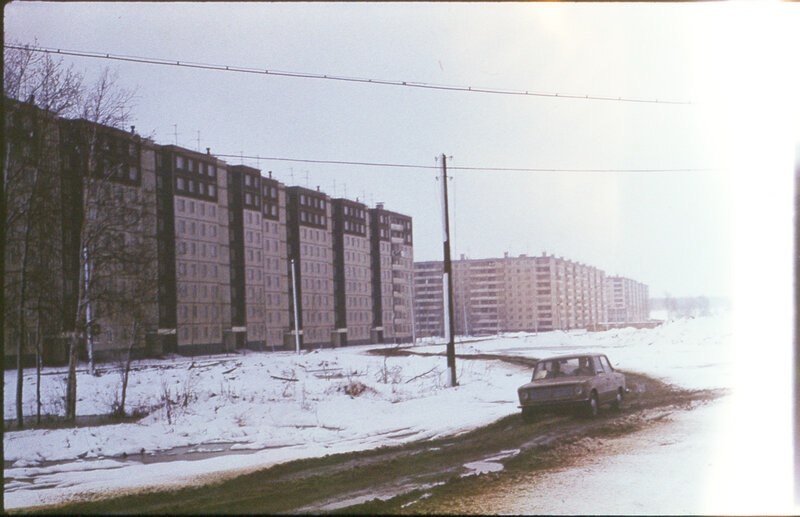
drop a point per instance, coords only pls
(682, 233)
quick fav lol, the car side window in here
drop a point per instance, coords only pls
(598, 365)
(606, 366)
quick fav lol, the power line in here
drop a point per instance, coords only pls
(488, 169)
(308, 75)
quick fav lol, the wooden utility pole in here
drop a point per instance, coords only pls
(449, 319)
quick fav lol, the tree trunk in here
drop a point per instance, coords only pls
(22, 322)
(39, 384)
(72, 382)
(127, 369)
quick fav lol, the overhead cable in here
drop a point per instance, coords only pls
(308, 75)
(450, 167)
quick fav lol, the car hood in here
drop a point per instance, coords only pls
(566, 381)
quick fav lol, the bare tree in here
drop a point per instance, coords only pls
(45, 90)
(96, 222)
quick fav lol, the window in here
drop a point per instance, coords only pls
(179, 183)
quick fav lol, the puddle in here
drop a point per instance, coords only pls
(490, 464)
(58, 422)
(384, 495)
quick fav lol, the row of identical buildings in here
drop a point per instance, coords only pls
(232, 249)
(512, 294)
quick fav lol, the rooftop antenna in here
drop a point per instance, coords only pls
(291, 175)
(198, 140)
(175, 132)
(241, 157)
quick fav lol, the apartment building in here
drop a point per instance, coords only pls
(429, 299)
(569, 294)
(310, 245)
(80, 239)
(194, 265)
(33, 244)
(259, 278)
(110, 236)
(628, 300)
(392, 254)
(275, 266)
(479, 292)
(513, 294)
(352, 272)
(182, 253)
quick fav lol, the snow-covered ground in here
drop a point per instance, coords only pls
(282, 406)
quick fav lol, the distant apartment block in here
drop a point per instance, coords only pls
(524, 293)
(429, 299)
(479, 292)
(628, 300)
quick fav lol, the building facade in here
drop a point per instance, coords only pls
(429, 299)
(310, 246)
(392, 254)
(352, 272)
(521, 294)
(275, 265)
(196, 315)
(628, 300)
(157, 249)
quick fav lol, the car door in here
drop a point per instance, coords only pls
(603, 378)
(609, 386)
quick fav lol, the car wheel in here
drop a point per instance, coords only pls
(527, 415)
(594, 405)
(617, 404)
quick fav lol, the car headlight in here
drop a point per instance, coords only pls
(579, 390)
(523, 395)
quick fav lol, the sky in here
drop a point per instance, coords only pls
(683, 233)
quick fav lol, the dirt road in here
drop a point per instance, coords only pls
(416, 478)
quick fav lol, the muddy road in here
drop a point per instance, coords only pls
(420, 477)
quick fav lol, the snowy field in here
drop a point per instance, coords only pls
(275, 407)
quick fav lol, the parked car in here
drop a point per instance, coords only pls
(580, 381)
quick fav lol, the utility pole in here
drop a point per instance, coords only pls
(449, 319)
(294, 303)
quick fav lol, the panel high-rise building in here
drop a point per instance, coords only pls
(512, 294)
(310, 245)
(627, 299)
(194, 253)
(159, 249)
(429, 299)
(352, 272)
(393, 275)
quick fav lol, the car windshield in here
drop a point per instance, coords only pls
(568, 367)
